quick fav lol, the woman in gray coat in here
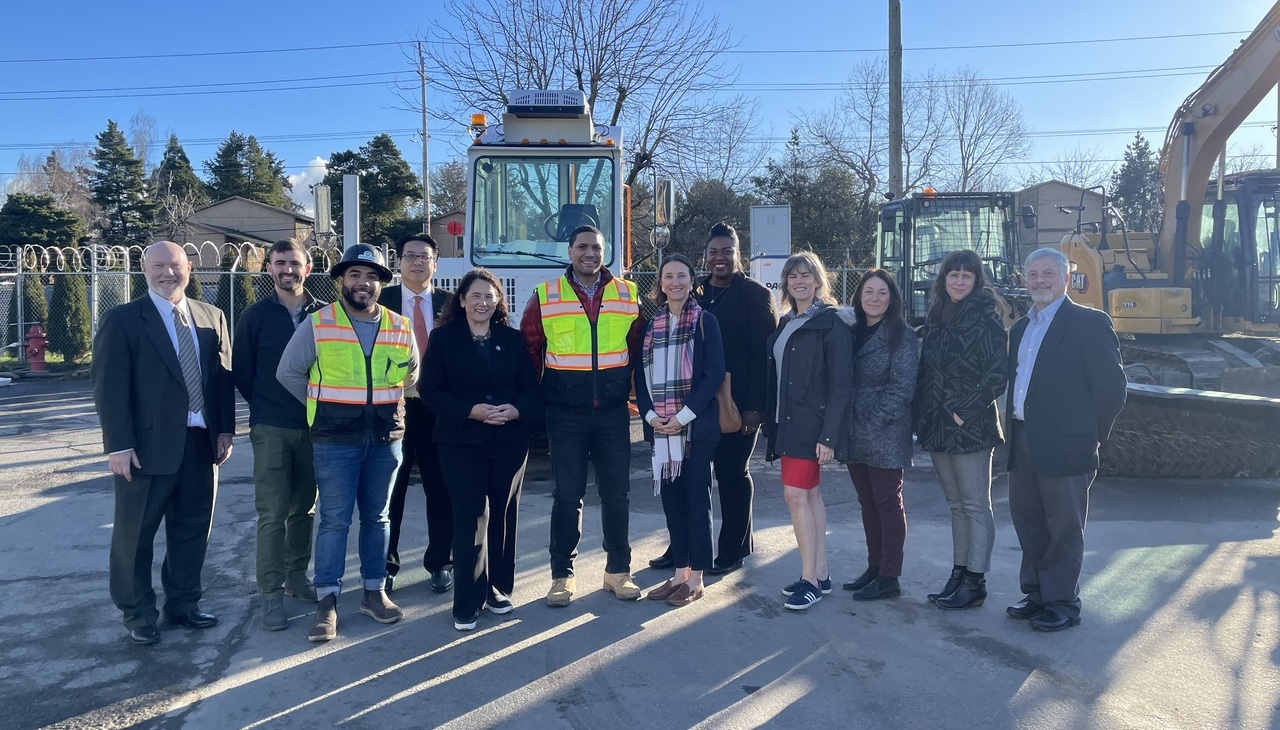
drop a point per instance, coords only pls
(885, 358)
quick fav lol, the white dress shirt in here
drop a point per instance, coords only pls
(1038, 321)
(166, 307)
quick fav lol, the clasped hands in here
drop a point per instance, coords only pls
(494, 415)
(666, 426)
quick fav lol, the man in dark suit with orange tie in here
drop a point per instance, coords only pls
(163, 391)
(417, 299)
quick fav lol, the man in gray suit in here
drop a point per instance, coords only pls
(163, 391)
(1068, 386)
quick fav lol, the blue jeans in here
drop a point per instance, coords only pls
(347, 476)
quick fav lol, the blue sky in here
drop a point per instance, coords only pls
(305, 124)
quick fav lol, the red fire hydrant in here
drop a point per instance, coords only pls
(37, 343)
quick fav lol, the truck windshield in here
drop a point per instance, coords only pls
(525, 208)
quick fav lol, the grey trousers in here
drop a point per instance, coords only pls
(1049, 515)
(966, 483)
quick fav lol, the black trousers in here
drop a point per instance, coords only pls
(737, 490)
(420, 449)
(603, 437)
(686, 502)
(484, 483)
(185, 502)
(1049, 515)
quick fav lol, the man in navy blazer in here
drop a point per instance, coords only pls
(416, 298)
(162, 387)
(1068, 387)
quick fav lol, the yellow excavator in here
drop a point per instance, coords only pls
(1198, 305)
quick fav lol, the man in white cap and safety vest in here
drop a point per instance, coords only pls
(350, 362)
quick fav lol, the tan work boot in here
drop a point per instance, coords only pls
(561, 592)
(375, 604)
(325, 627)
(621, 585)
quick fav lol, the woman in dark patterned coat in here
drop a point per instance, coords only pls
(884, 376)
(963, 370)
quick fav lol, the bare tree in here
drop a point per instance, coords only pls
(986, 128)
(1081, 166)
(177, 205)
(1255, 157)
(644, 64)
(143, 135)
(853, 132)
(63, 173)
(724, 151)
(448, 188)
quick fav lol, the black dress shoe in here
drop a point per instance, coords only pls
(663, 561)
(193, 619)
(441, 580)
(1051, 620)
(871, 573)
(144, 635)
(723, 569)
(878, 588)
(1024, 609)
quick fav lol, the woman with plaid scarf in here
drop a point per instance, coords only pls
(682, 366)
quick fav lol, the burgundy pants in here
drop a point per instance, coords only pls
(883, 518)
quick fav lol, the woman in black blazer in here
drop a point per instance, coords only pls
(478, 379)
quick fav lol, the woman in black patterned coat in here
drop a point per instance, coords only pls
(963, 370)
(884, 376)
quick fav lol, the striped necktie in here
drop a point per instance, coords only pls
(189, 361)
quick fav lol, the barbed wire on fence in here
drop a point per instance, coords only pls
(230, 276)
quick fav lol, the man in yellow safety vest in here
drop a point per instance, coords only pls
(583, 331)
(350, 362)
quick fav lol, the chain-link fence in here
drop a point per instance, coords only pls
(64, 291)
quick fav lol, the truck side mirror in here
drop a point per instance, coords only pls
(1028, 216)
(888, 219)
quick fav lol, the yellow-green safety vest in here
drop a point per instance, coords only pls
(341, 374)
(568, 331)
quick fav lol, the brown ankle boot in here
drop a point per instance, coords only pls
(325, 627)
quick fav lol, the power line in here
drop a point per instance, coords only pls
(202, 86)
(981, 46)
(193, 93)
(736, 51)
(197, 54)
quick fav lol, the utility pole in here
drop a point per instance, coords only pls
(426, 138)
(895, 98)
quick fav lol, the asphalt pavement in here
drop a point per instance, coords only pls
(1181, 622)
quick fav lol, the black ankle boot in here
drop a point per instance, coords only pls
(870, 574)
(971, 593)
(952, 584)
(877, 589)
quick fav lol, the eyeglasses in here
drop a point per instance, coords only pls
(413, 258)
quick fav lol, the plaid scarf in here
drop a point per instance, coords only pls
(668, 369)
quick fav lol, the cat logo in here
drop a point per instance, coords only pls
(1080, 282)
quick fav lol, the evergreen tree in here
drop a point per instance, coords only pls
(120, 189)
(35, 309)
(241, 167)
(387, 187)
(176, 177)
(706, 203)
(194, 290)
(69, 317)
(831, 212)
(1135, 187)
(37, 220)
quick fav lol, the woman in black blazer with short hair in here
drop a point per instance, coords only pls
(478, 379)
